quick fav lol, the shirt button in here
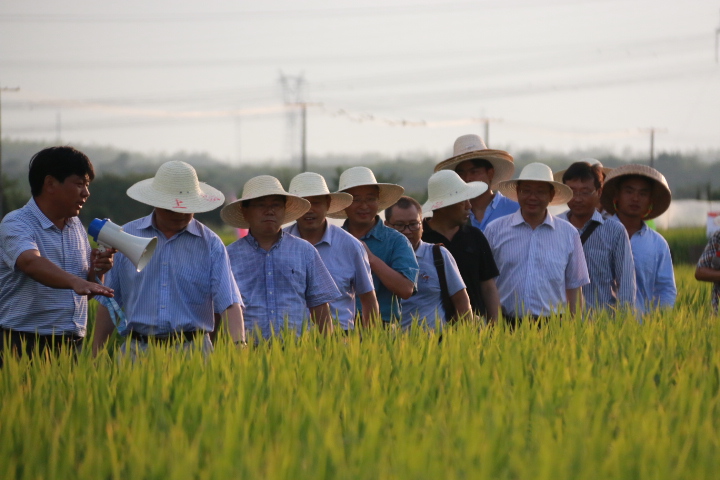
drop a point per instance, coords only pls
(164, 263)
(162, 306)
(270, 293)
(164, 284)
(269, 273)
(272, 311)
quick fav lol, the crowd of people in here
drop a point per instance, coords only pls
(484, 248)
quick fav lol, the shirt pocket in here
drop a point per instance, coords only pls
(195, 287)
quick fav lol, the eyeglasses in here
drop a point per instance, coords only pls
(367, 201)
(584, 193)
(400, 227)
(526, 192)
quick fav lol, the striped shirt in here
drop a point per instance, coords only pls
(27, 305)
(705, 261)
(499, 207)
(426, 305)
(536, 265)
(347, 261)
(279, 285)
(187, 280)
(654, 273)
(610, 264)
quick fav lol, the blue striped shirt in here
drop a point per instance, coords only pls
(281, 283)
(654, 273)
(184, 284)
(27, 305)
(536, 266)
(610, 264)
(499, 207)
(426, 305)
(347, 261)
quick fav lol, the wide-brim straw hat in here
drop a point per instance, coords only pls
(661, 195)
(471, 147)
(389, 193)
(175, 187)
(311, 184)
(446, 188)
(537, 172)
(558, 176)
(262, 186)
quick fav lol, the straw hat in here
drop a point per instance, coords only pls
(175, 187)
(362, 176)
(470, 147)
(592, 161)
(311, 184)
(661, 195)
(446, 188)
(262, 186)
(537, 172)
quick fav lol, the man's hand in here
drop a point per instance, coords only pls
(83, 287)
(101, 261)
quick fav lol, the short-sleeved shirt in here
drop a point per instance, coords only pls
(426, 305)
(610, 264)
(27, 305)
(347, 261)
(654, 273)
(187, 280)
(498, 208)
(279, 285)
(537, 265)
(705, 261)
(473, 256)
(393, 248)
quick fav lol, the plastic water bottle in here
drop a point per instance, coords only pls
(715, 262)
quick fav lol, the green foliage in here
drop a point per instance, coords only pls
(686, 244)
(579, 399)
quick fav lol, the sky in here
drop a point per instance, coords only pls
(392, 77)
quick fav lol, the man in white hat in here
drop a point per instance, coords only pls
(48, 270)
(606, 245)
(474, 162)
(280, 276)
(343, 255)
(441, 293)
(541, 260)
(391, 256)
(635, 193)
(187, 289)
(449, 200)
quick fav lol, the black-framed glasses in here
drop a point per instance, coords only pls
(412, 226)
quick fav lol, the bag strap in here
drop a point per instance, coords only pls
(444, 292)
(588, 231)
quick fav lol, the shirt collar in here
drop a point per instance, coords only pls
(596, 217)
(327, 237)
(192, 228)
(517, 219)
(496, 199)
(642, 230)
(45, 222)
(376, 231)
(422, 249)
(254, 243)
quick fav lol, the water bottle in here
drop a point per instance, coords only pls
(715, 262)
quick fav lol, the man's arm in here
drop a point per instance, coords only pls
(706, 274)
(103, 329)
(491, 298)
(574, 299)
(46, 272)
(321, 316)
(396, 282)
(664, 290)
(232, 320)
(461, 302)
(370, 308)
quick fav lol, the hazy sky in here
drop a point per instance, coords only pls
(163, 76)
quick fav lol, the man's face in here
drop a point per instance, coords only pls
(265, 215)
(407, 221)
(70, 195)
(470, 173)
(634, 198)
(171, 220)
(456, 214)
(365, 204)
(315, 217)
(585, 197)
(534, 197)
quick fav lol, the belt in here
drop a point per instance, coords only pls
(66, 337)
(172, 337)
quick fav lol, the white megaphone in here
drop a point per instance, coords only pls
(137, 249)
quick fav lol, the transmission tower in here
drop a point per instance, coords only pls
(292, 90)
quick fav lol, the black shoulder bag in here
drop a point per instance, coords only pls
(588, 231)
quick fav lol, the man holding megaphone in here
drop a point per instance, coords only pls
(48, 270)
(187, 287)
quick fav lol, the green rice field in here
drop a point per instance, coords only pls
(596, 398)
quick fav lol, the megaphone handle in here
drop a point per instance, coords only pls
(101, 248)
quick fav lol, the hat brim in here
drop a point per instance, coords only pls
(389, 194)
(557, 176)
(501, 161)
(209, 199)
(295, 207)
(661, 195)
(563, 193)
(472, 190)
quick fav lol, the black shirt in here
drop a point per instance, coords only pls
(472, 253)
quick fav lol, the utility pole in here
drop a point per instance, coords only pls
(652, 131)
(717, 45)
(292, 88)
(303, 132)
(486, 121)
(2, 183)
